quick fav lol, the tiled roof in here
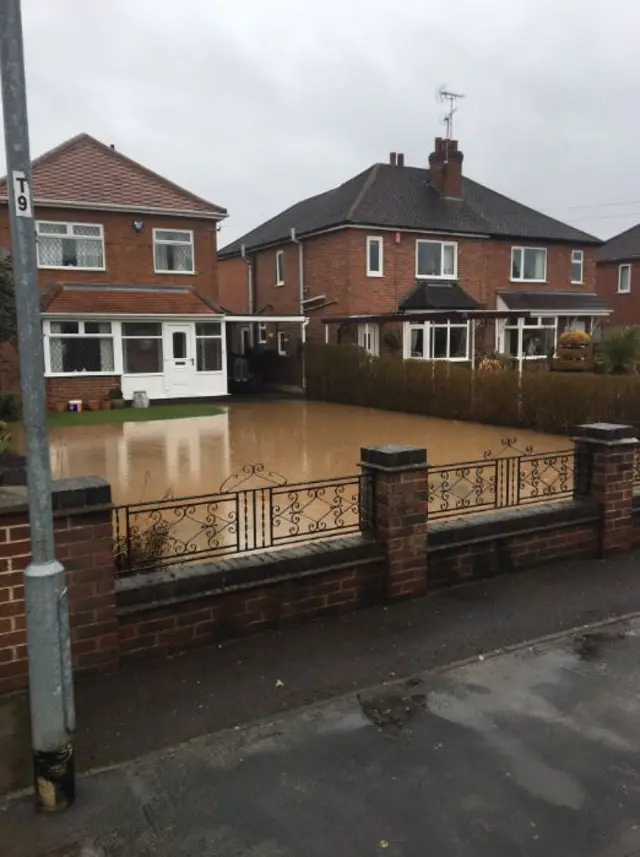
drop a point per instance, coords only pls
(120, 300)
(578, 302)
(83, 170)
(427, 295)
(622, 247)
(402, 198)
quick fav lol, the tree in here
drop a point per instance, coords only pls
(8, 321)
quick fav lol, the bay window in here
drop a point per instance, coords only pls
(80, 346)
(438, 341)
(142, 348)
(436, 259)
(529, 264)
(209, 346)
(70, 245)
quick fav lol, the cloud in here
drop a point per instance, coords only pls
(256, 105)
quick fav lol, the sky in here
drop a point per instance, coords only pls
(256, 105)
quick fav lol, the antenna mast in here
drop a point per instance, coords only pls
(450, 98)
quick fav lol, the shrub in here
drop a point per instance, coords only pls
(10, 408)
(620, 351)
(543, 401)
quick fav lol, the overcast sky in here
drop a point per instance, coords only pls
(256, 105)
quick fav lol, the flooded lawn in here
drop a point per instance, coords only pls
(299, 440)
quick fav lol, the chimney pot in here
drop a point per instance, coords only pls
(393, 158)
(400, 159)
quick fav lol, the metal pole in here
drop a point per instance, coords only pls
(48, 640)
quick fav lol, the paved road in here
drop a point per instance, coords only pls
(532, 752)
(160, 704)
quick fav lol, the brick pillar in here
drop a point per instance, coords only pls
(398, 503)
(84, 545)
(605, 466)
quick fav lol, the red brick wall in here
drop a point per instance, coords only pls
(129, 254)
(200, 621)
(95, 388)
(626, 307)
(85, 547)
(232, 283)
(335, 265)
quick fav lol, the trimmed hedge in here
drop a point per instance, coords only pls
(542, 401)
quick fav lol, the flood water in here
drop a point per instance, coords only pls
(300, 440)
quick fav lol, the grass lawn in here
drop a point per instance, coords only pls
(125, 415)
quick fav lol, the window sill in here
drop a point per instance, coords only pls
(577, 283)
(68, 268)
(446, 277)
(440, 359)
(180, 273)
(375, 276)
(626, 292)
(278, 285)
(541, 282)
(112, 374)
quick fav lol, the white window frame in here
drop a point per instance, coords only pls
(522, 325)
(263, 336)
(49, 335)
(427, 328)
(440, 276)
(282, 345)
(218, 336)
(159, 336)
(621, 268)
(190, 242)
(577, 258)
(69, 234)
(524, 279)
(280, 269)
(379, 240)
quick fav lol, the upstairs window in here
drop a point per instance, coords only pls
(375, 250)
(173, 251)
(529, 264)
(577, 267)
(280, 268)
(70, 245)
(436, 259)
(624, 279)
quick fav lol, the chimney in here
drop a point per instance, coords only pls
(393, 159)
(445, 168)
(400, 160)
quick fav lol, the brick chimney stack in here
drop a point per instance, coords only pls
(445, 168)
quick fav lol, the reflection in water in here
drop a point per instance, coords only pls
(301, 440)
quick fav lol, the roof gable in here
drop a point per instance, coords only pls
(622, 247)
(392, 197)
(83, 170)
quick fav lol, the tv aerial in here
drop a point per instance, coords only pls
(446, 96)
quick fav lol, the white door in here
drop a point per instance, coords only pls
(181, 364)
(369, 338)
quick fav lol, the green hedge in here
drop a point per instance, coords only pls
(543, 401)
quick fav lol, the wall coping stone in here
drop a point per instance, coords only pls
(509, 522)
(608, 433)
(182, 583)
(393, 457)
(78, 492)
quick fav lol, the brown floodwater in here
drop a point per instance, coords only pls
(297, 439)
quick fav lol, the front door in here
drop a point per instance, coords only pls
(182, 369)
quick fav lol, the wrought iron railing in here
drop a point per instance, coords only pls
(516, 479)
(238, 519)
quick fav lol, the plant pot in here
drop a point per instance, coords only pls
(118, 404)
(94, 404)
(106, 405)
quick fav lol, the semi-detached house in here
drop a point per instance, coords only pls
(128, 271)
(421, 259)
(618, 278)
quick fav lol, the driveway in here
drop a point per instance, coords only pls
(529, 752)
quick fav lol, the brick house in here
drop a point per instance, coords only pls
(618, 276)
(424, 254)
(128, 270)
